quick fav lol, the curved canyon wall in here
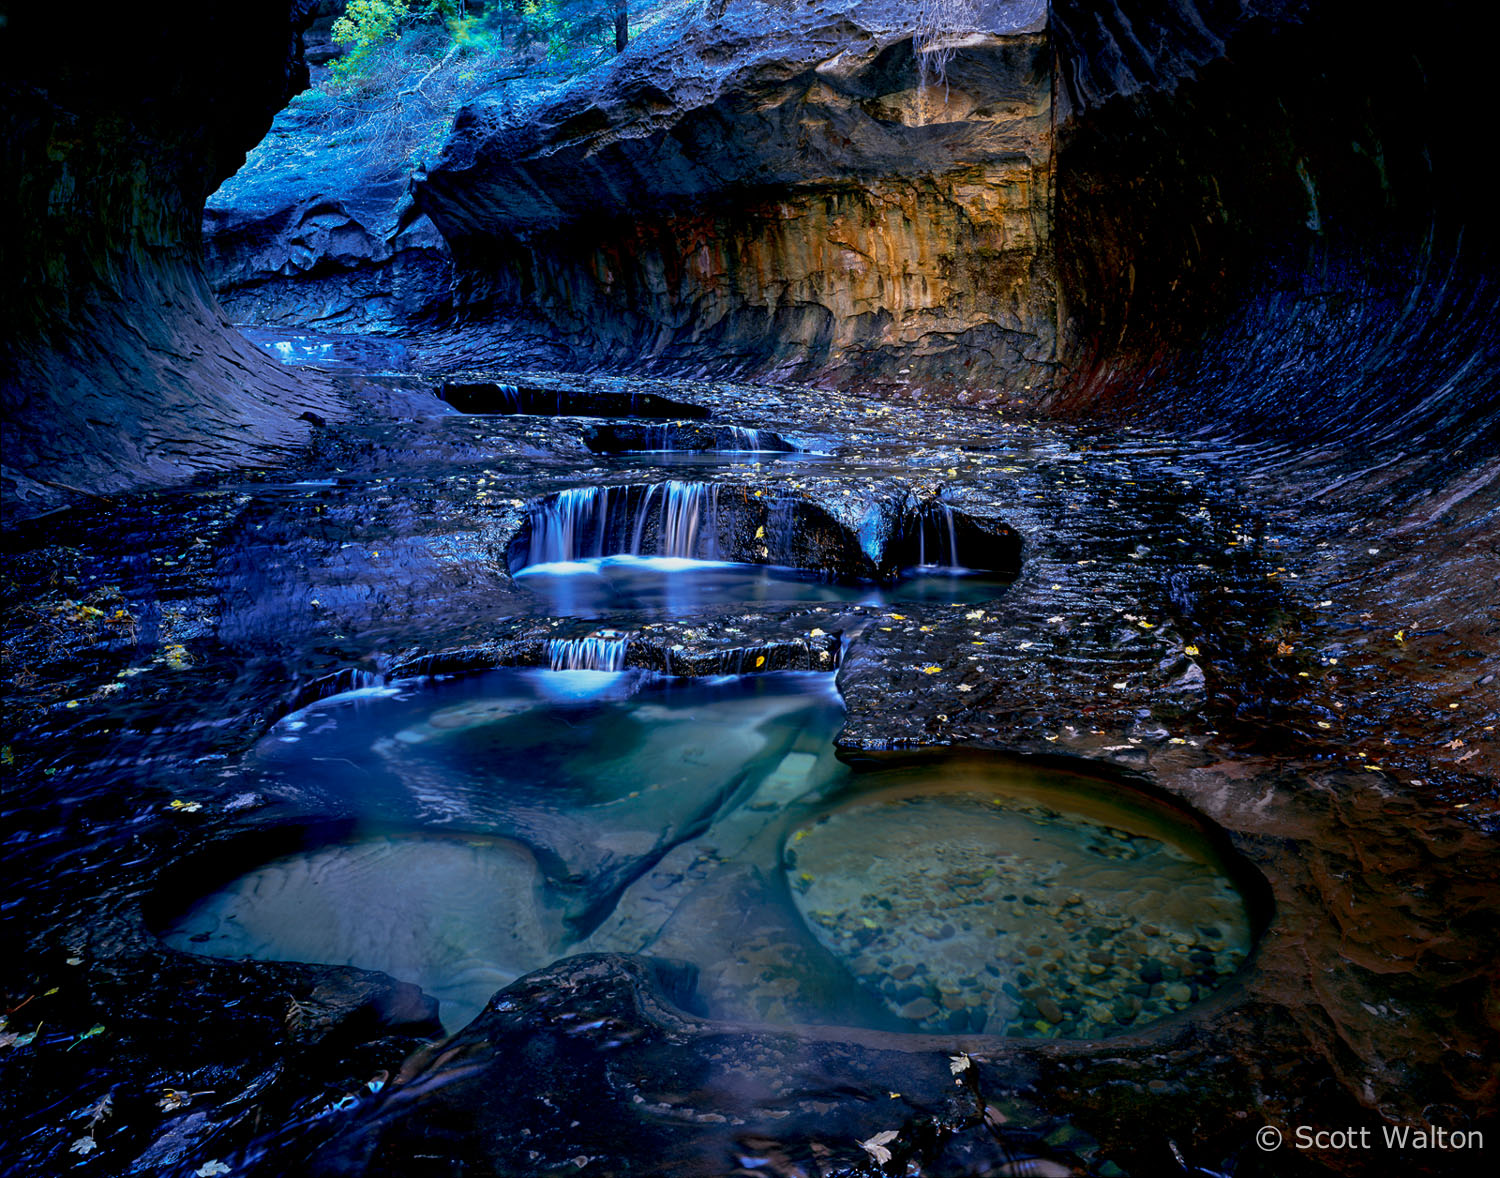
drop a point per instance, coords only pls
(1264, 216)
(1268, 219)
(116, 366)
(771, 191)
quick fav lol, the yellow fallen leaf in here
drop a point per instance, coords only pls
(931, 670)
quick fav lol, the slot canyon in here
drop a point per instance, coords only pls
(778, 588)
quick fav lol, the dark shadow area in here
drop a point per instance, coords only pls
(489, 397)
(1269, 223)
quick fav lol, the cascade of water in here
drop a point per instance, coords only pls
(340, 683)
(687, 511)
(594, 653)
(509, 397)
(570, 525)
(744, 660)
(583, 522)
(937, 517)
(781, 530)
(745, 439)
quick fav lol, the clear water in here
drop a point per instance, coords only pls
(1019, 902)
(595, 776)
(675, 586)
(461, 916)
(512, 818)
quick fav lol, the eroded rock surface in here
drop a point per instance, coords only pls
(1173, 623)
(321, 235)
(773, 189)
(117, 368)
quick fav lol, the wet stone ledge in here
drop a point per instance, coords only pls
(1149, 562)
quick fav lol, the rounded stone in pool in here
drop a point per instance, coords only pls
(988, 898)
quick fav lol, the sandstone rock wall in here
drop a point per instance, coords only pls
(1268, 220)
(308, 235)
(116, 365)
(773, 191)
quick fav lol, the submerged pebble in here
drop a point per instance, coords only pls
(979, 891)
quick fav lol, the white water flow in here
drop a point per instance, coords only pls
(937, 523)
(687, 510)
(740, 439)
(594, 653)
(673, 518)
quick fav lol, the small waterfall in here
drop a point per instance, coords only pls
(339, 683)
(595, 653)
(584, 522)
(781, 530)
(571, 525)
(747, 440)
(937, 520)
(687, 511)
(509, 398)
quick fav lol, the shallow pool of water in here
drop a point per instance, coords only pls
(508, 819)
(1017, 901)
(461, 916)
(676, 586)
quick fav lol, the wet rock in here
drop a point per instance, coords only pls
(919, 1010)
(321, 236)
(116, 367)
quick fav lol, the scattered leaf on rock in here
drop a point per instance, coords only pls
(876, 1146)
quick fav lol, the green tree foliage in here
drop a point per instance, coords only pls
(408, 65)
(368, 24)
